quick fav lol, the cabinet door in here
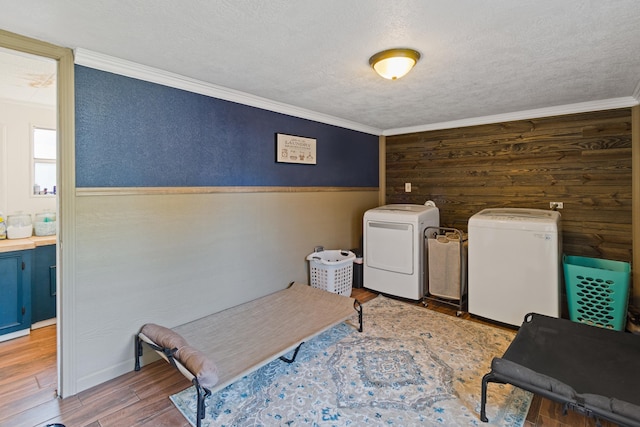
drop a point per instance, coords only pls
(43, 284)
(13, 301)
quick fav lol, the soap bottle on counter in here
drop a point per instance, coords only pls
(3, 228)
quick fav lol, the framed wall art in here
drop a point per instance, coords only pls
(295, 149)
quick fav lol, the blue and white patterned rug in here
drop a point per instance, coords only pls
(410, 367)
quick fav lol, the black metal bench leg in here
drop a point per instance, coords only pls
(358, 307)
(202, 394)
(483, 399)
(295, 353)
(137, 348)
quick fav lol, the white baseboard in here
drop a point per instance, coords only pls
(43, 323)
(16, 334)
(104, 375)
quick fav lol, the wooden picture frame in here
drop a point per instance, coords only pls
(295, 149)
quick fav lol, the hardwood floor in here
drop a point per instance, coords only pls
(28, 390)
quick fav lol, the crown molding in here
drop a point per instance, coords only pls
(126, 68)
(581, 107)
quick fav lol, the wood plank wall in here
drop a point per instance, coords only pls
(582, 160)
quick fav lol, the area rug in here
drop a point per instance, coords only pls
(410, 367)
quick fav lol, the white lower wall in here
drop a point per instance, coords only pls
(173, 258)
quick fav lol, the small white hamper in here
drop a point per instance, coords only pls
(332, 271)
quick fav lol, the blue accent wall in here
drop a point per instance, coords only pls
(132, 133)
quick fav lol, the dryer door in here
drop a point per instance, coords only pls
(389, 246)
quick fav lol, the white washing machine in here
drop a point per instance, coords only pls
(393, 248)
(515, 265)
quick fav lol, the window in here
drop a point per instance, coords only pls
(44, 162)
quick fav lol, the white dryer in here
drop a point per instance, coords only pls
(394, 248)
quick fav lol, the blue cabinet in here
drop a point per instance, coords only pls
(43, 284)
(15, 291)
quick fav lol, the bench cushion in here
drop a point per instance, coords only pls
(203, 368)
(163, 337)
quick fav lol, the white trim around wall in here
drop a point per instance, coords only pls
(156, 191)
(122, 67)
(560, 110)
(111, 64)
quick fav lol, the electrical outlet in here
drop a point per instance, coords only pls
(556, 205)
(407, 187)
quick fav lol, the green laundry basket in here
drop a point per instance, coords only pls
(597, 291)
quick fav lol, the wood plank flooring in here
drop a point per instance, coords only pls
(28, 390)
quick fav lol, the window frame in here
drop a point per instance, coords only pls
(35, 160)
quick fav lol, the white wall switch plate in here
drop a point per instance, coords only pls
(407, 187)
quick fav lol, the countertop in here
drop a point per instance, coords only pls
(9, 245)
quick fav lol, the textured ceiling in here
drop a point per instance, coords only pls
(479, 58)
(27, 78)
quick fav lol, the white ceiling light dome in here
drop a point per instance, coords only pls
(394, 63)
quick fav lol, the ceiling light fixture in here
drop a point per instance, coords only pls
(394, 63)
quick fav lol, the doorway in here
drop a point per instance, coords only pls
(28, 159)
(62, 60)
